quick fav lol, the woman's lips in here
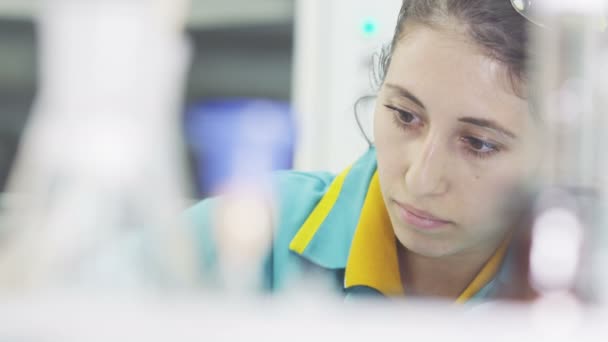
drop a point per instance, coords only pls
(419, 218)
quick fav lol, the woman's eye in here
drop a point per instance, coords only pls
(404, 117)
(480, 147)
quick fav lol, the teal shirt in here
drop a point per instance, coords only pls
(326, 252)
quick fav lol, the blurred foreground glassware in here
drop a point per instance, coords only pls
(101, 169)
(569, 231)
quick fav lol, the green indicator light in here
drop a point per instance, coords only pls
(370, 27)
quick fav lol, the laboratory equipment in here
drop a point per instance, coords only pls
(239, 139)
(569, 231)
(335, 47)
(100, 168)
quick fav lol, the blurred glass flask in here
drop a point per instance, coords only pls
(565, 88)
(101, 165)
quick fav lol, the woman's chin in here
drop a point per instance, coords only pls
(425, 245)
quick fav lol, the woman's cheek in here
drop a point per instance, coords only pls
(490, 200)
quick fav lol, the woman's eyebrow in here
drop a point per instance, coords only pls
(485, 123)
(406, 93)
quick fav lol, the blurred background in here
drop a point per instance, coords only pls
(117, 114)
(241, 49)
(314, 56)
(18, 75)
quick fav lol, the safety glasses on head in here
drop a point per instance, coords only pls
(527, 9)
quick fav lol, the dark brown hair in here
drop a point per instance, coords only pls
(493, 25)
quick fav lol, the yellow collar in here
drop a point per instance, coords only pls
(373, 260)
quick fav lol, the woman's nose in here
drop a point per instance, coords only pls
(427, 169)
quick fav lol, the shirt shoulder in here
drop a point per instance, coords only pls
(296, 194)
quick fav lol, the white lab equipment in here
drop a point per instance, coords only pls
(335, 42)
(100, 167)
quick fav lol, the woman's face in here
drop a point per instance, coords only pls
(456, 147)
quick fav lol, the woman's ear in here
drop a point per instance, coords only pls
(364, 115)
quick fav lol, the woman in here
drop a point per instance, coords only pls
(431, 209)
